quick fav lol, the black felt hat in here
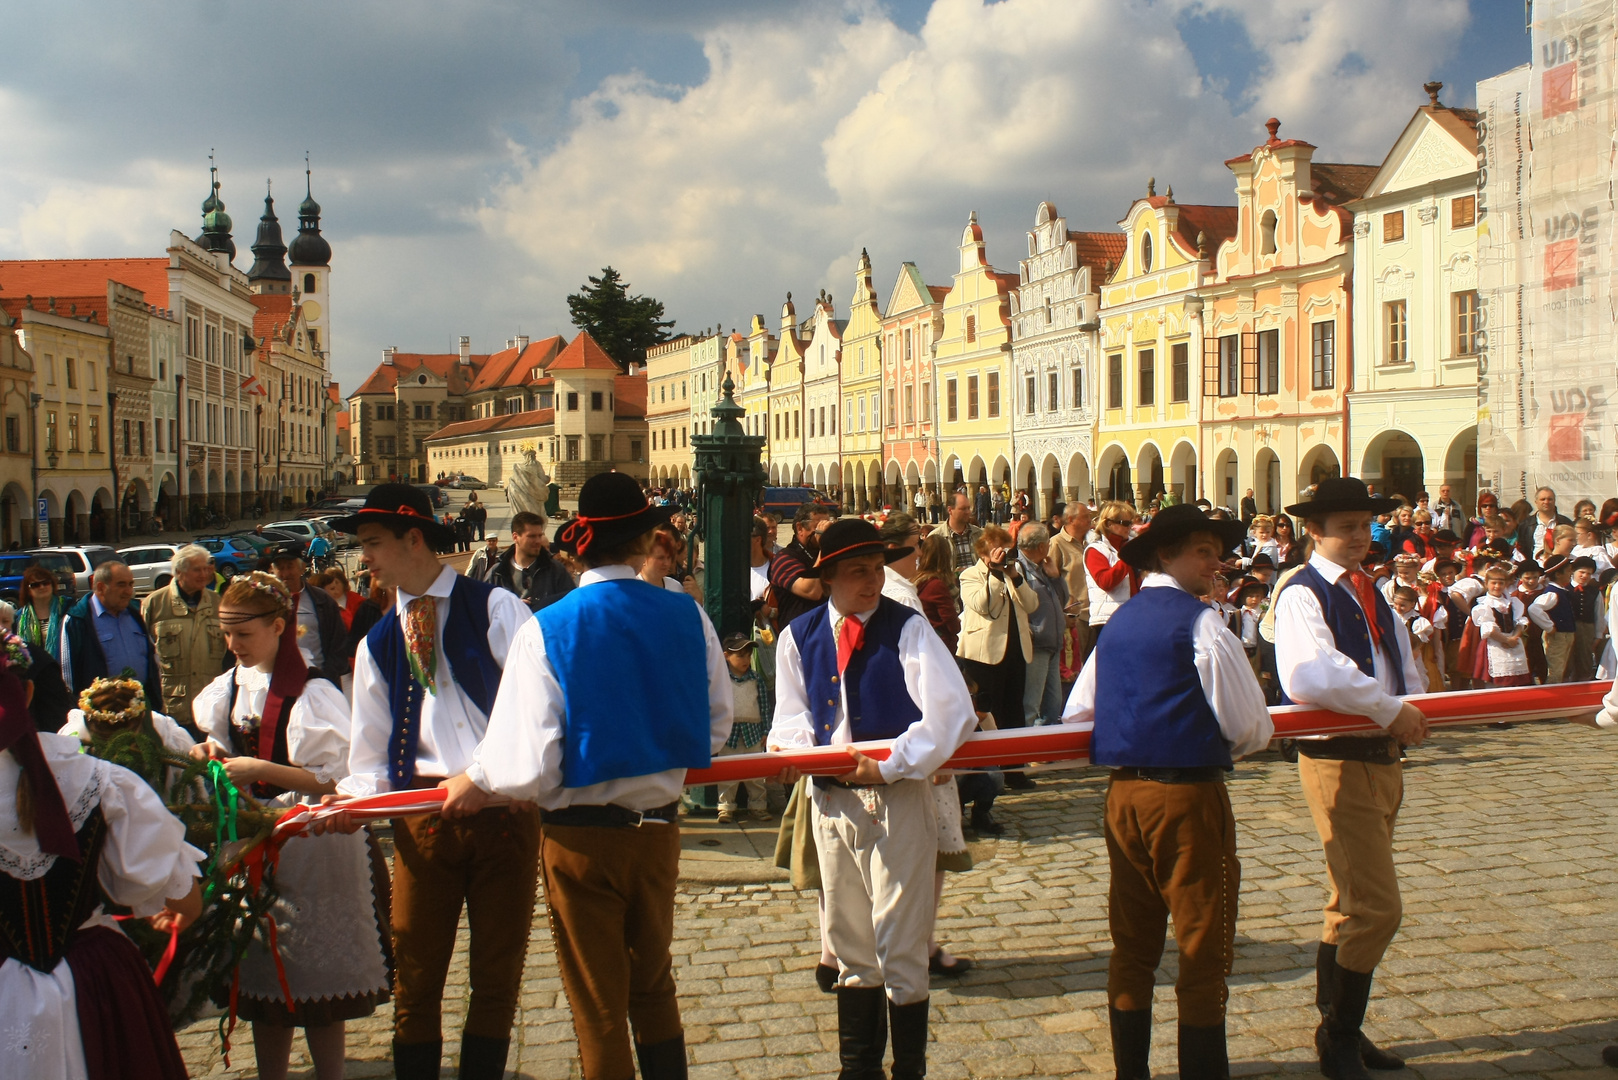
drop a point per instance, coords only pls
(1339, 494)
(399, 504)
(612, 510)
(1176, 523)
(850, 538)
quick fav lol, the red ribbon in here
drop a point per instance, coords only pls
(580, 532)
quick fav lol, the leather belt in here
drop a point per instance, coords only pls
(1204, 774)
(1373, 750)
(610, 816)
(829, 783)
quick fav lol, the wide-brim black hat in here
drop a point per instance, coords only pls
(1176, 523)
(399, 505)
(851, 538)
(1342, 494)
(612, 511)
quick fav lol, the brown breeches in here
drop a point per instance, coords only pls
(489, 862)
(1172, 852)
(611, 897)
(1355, 805)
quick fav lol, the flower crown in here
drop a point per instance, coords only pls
(270, 586)
(100, 688)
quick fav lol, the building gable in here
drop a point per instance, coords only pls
(1426, 151)
(909, 292)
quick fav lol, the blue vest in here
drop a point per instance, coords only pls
(879, 701)
(632, 661)
(1347, 624)
(1564, 615)
(464, 643)
(1150, 711)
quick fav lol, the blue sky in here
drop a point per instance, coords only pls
(477, 160)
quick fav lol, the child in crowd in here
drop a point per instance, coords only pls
(1422, 632)
(1529, 587)
(1589, 542)
(747, 732)
(1554, 612)
(1500, 620)
(1250, 595)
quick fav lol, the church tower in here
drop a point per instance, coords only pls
(269, 273)
(216, 223)
(310, 256)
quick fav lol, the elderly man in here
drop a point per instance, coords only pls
(1067, 551)
(1531, 536)
(183, 618)
(484, 559)
(321, 633)
(103, 634)
(1042, 688)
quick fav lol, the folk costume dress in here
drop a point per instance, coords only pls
(76, 998)
(1498, 617)
(331, 914)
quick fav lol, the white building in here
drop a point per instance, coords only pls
(822, 399)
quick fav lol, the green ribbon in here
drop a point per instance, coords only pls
(226, 802)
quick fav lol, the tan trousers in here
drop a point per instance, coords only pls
(489, 862)
(1172, 852)
(877, 876)
(1354, 805)
(1558, 651)
(611, 898)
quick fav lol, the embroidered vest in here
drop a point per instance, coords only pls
(39, 918)
(879, 702)
(632, 661)
(1150, 710)
(1564, 613)
(1348, 630)
(1585, 599)
(464, 643)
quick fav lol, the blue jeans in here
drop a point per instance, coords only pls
(1042, 691)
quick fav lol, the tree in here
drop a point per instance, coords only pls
(624, 326)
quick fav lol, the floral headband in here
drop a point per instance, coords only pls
(99, 687)
(270, 586)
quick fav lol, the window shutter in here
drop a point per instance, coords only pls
(1249, 362)
(1210, 367)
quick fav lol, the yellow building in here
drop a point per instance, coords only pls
(786, 403)
(972, 364)
(747, 365)
(1275, 316)
(668, 411)
(862, 391)
(1151, 349)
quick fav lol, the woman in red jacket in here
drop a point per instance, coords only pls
(934, 564)
(1111, 580)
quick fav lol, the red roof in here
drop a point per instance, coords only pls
(386, 376)
(81, 279)
(629, 396)
(583, 354)
(274, 312)
(1099, 250)
(938, 292)
(1216, 223)
(504, 422)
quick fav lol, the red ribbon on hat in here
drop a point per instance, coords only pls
(580, 532)
(407, 511)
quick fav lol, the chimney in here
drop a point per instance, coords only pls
(633, 367)
(522, 341)
(465, 347)
(387, 354)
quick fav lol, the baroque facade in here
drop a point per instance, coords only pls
(911, 324)
(861, 372)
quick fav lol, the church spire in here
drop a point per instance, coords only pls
(216, 223)
(309, 248)
(269, 272)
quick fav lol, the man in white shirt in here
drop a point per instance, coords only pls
(425, 678)
(1339, 646)
(864, 667)
(1173, 702)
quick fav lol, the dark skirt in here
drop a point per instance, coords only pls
(123, 1022)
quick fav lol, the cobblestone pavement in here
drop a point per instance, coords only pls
(1506, 964)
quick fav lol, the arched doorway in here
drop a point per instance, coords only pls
(1148, 474)
(1461, 467)
(1225, 492)
(1267, 481)
(75, 519)
(1319, 464)
(14, 506)
(1050, 483)
(1182, 472)
(1393, 464)
(1078, 478)
(1113, 469)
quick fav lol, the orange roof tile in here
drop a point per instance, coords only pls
(583, 354)
(1336, 183)
(43, 278)
(938, 292)
(1099, 250)
(386, 376)
(484, 425)
(274, 312)
(1216, 223)
(629, 396)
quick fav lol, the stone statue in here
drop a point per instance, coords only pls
(528, 487)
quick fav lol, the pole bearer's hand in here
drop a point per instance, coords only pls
(866, 770)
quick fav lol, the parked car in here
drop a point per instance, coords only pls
(466, 483)
(434, 493)
(151, 565)
(785, 501)
(13, 563)
(82, 560)
(331, 508)
(232, 555)
(305, 531)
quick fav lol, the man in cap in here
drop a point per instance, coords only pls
(1173, 703)
(610, 694)
(861, 667)
(1339, 646)
(425, 679)
(321, 633)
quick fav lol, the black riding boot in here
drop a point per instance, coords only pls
(1373, 1056)
(662, 1061)
(862, 1031)
(483, 1058)
(1202, 1053)
(909, 1027)
(1345, 1013)
(417, 1061)
(1131, 1042)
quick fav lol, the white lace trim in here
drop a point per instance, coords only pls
(33, 865)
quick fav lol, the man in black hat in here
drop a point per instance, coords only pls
(1173, 703)
(1340, 646)
(425, 679)
(610, 694)
(863, 667)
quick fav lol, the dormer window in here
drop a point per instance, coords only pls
(1266, 233)
(1146, 253)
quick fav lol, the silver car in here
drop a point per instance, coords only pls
(83, 560)
(150, 564)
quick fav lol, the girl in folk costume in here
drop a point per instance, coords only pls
(76, 998)
(1530, 587)
(280, 726)
(1500, 620)
(1423, 635)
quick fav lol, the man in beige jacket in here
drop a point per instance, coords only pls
(1067, 551)
(183, 619)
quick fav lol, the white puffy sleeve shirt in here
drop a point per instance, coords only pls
(317, 728)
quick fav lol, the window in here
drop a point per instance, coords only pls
(1053, 391)
(1029, 395)
(1393, 226)
(174, 436)
(1145, 253)
(822, 414)
(73, 431)
(1146, 394)
(193, 335)
(50, 430)
(848, 416)
(157, 435)
(971, 328)
(573, 448)
(595, 401)
(951, 412)
(862, 413)
(1266, 233)
(907, 343)
(13, 434)
(797, 426)
(994, 393)
(162, 369)
(572, 404)
(634, 450)
(876, 410)
(1398, 332)
(72, 373)
(971, 397)
(1467, 322)
(1463, 211)
(127, 440)
(778, 426)
(1230, 365)
(423, 411)
(893, 406)
(1078, 388)
(926, 401)
(910, 404)
(598, 448)
(1269, 362)
(1115, 381)
(309, 283)
(862, 359)
(50, 370)
(1323, 355)
(1180, 371)
(90, 375)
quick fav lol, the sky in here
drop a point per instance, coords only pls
(477, 159)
